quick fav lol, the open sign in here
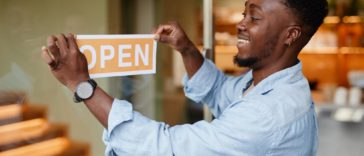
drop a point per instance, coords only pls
(118, 55)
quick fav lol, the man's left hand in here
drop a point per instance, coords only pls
(65, 60)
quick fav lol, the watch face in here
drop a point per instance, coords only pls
(84, 90)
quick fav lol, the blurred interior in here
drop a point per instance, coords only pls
(37, 112)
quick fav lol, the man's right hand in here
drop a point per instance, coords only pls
(173, 35)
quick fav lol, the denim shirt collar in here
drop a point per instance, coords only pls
(292, 74)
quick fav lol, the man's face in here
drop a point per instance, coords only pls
(260, 32)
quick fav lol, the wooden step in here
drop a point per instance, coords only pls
(77, 149)
(12, 113)
(10, 97)
(28, 132)
(60, 146)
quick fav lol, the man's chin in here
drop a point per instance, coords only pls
(245, 62)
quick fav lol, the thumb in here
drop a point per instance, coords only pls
(48, 58)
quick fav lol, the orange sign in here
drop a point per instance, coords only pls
(118, 55)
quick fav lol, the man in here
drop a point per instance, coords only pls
(267, 111)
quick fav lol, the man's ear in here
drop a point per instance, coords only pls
(293, 33)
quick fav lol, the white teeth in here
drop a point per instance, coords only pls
(243, 41)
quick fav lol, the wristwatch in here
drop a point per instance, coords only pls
(84, 90)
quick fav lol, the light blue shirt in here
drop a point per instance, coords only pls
(276, 117)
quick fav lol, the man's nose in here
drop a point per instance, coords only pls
(241, 25)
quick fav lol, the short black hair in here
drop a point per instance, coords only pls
(310, 13)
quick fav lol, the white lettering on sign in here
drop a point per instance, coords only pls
(119, 55)
(138, 50)
(103, 55)
(123, 54)
(107, 52)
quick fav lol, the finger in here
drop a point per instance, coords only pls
(162, 30)
(165, 39)
(53, 49)
(156, 36)
(72, 43)
(166, 29)
(62, 44)
(48, 58)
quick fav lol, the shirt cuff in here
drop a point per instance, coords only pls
(120, 112)
(198, 86)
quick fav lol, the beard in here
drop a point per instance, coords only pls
(253, 61)
(245, 62)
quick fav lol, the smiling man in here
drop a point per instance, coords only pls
(268, 111)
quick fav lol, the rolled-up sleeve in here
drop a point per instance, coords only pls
(206, 86)
(130, 133)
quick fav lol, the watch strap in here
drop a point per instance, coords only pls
(93, 83)
(76, 98)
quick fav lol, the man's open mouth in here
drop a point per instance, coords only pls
(243, 41)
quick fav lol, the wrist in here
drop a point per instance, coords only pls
(189, 50)
(72, 85)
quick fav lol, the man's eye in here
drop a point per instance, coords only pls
(254, 18)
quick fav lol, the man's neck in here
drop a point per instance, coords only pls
(260, 74)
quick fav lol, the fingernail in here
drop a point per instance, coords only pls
(156, 37)
(74, 36)
(44, 48)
